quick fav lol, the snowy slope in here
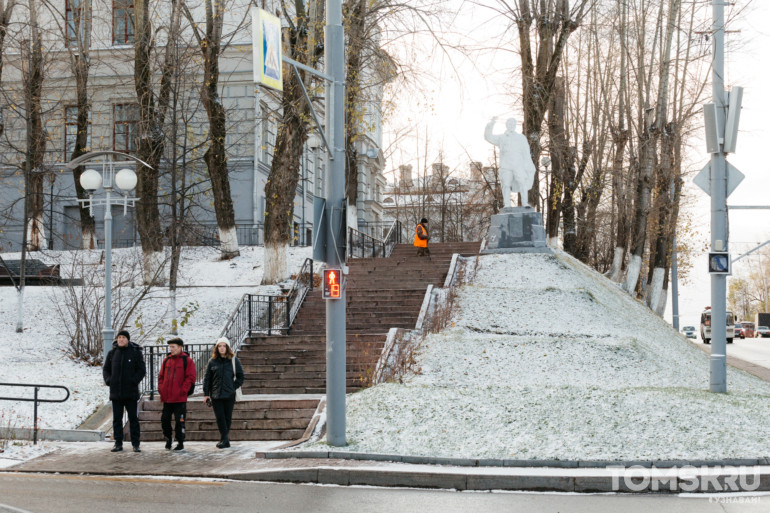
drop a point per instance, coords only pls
(39, 355)
(548, 359)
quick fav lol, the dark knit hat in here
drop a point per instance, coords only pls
(125, 334)
(423, 221)
(176, 340)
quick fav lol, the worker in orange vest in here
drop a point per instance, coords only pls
(421, 237)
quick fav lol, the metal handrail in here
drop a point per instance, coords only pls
(267, 314)
(36, 399)
(393, 237)
(153, 359)
(362, 245)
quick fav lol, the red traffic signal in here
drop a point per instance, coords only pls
(332, 287)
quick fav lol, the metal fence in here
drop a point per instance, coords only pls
(153, 359)
(268, 314)
(361, 245)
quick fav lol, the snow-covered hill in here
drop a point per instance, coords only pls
(39, 355)
(548, 359)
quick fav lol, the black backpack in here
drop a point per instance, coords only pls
(184, 364)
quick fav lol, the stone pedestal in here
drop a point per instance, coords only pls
(517, 230)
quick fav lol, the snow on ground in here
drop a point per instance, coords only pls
(548, 359)
(16, 452)
(40, 354)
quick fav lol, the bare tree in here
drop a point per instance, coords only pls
(152, 115)
(211, 48)
(78, 46)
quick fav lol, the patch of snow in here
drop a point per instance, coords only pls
(547, 359)
(17, 452)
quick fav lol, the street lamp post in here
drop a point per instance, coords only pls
(92, 180)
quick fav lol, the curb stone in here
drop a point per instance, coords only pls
(492, 462)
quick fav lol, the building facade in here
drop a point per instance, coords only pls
(252, 117)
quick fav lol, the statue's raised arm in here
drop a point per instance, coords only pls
(488, 135)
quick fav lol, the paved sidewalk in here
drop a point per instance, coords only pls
(203, 460)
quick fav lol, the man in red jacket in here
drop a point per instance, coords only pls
(174, 380)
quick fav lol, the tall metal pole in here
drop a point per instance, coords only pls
(335, 197)
(107, 331)
(718, 361)
(674, 287)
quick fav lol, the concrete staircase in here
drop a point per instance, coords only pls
(382, 293)
(253, 419)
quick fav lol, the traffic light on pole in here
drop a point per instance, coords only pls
(332, 288)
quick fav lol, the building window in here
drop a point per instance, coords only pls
(122, 22)
(71, 131)
(124, 127)
(75, 10)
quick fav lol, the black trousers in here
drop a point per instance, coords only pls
(118, 406)
(180, 412)
(223, 409)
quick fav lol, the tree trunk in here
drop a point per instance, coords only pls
(32, 78)
(281, 185)
(620, 187)
(152, 111)
(641, 210)
(558, 146)
(216, 157)
(87, 224)
(354, 14)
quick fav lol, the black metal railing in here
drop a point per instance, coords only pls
(268, 314)
(153, 359)
(361, 245)
(36, 399)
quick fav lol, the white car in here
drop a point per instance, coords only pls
(689, 331)
(762, 331)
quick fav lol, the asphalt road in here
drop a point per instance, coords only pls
(85, 494)
(754, 350)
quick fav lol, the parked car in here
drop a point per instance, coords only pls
(762, 331)
(689, 332)
(739, 331)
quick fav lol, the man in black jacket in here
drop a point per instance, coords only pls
(123, 370)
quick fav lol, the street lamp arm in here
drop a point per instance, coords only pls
(750, 252)
(95, 154)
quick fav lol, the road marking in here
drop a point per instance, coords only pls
(124, 479)
(4, 507)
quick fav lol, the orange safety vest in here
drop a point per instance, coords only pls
(418, 242)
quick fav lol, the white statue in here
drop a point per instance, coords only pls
(517, 171)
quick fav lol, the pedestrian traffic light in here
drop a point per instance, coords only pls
(719, 263)
(332, 288)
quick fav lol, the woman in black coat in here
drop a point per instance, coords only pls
(224, 375)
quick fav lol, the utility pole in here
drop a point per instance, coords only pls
(334, 55)
(674, 287)
(718, 360)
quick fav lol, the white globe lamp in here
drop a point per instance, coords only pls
(91, 180)
(126, 179)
